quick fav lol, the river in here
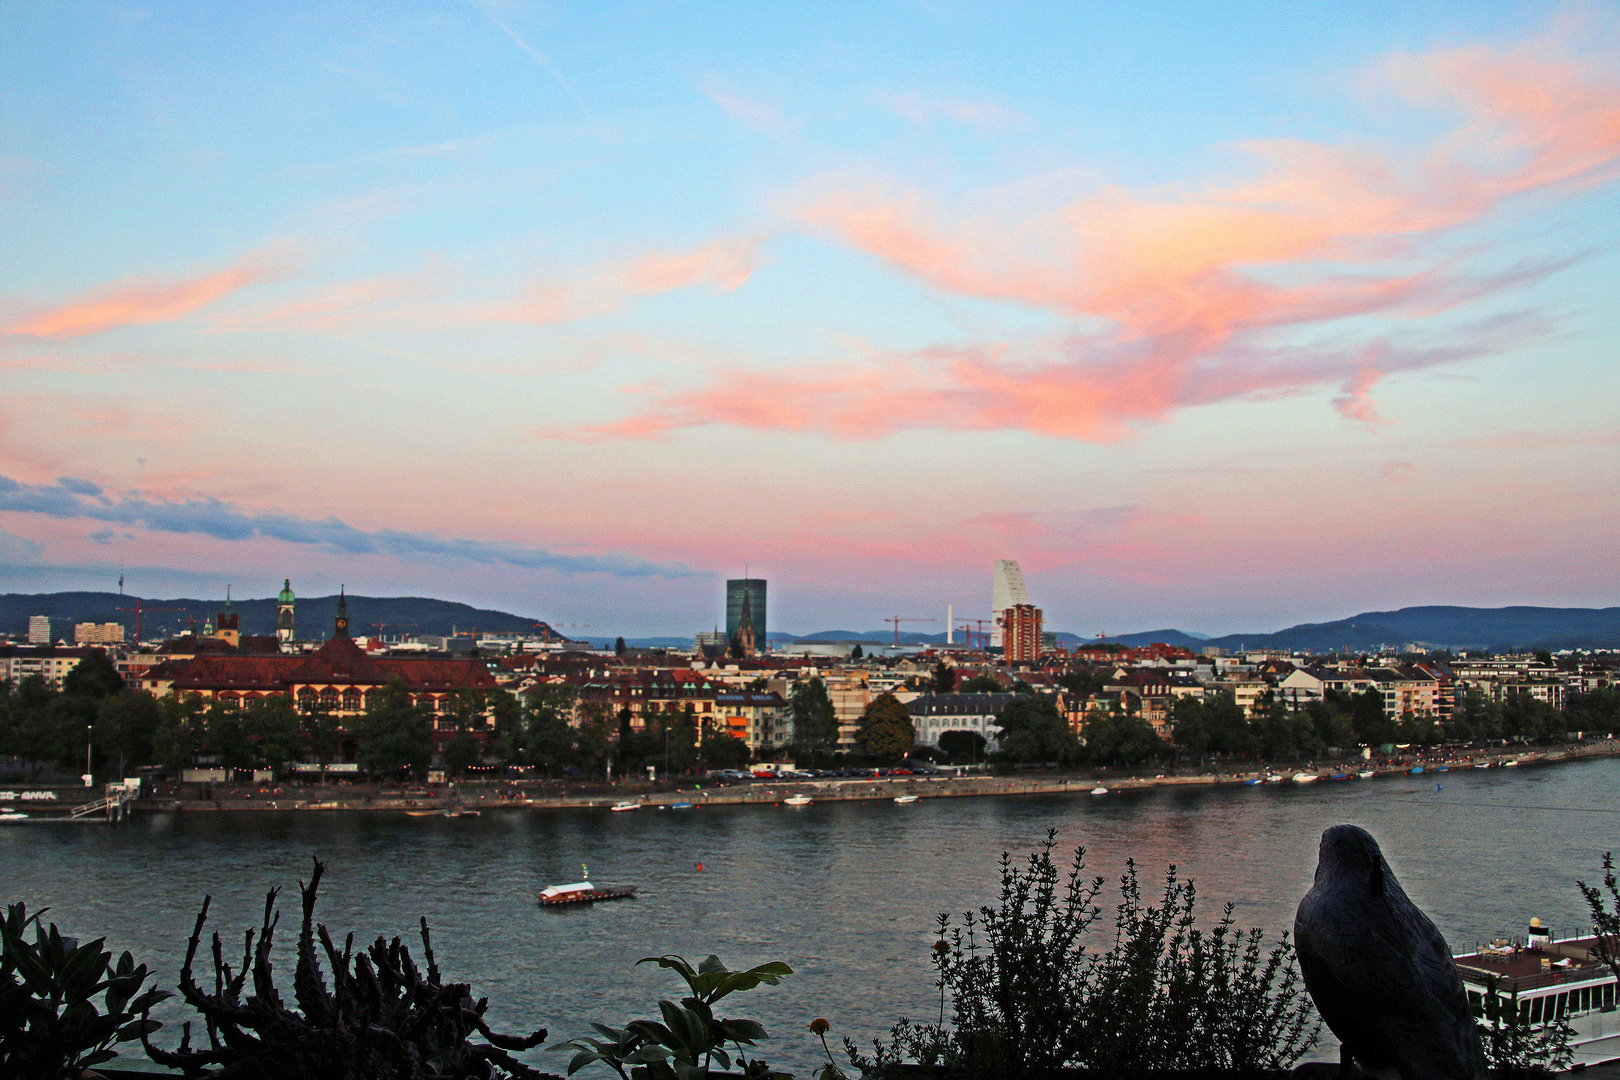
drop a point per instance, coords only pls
(846, 893)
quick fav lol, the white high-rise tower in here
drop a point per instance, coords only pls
(1007, 586)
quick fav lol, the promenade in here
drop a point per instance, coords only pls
(486, 797)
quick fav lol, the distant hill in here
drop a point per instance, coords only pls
(396, 614)
(1445, 627)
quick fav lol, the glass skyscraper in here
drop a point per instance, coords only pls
(745, 597)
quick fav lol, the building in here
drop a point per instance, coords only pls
(1007, 586)
(1020, 633)
(935, 714)
(760, 719)
(284, 613)
(339, 677)
(39, 629)
(89, 633)
(49, 662)
(745, 615)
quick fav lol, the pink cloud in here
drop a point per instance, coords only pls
(428, 300)
(138, 300)
(1186, 298)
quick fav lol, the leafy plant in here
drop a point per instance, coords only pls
(690, 1037)
(1514, 1047)
(50, 1027)
(383, 1018)
(1029, 996)
(1605, 907)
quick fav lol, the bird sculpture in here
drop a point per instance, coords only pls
(1379, 971)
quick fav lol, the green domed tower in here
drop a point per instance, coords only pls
(284, 613)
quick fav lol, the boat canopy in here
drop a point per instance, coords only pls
(564, 890)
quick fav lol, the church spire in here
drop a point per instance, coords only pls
(342, 613)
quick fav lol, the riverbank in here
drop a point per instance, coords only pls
(470, 799)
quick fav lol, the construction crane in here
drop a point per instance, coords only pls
(139, 608)
(897, 620)
(381, 626)
(967, 626)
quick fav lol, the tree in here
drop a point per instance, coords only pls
(619, 648)
(723, 751)
(962, 744)
(815, 721)
(181, 732)
(549, 739)
(980, 684)
(1033, 730)
(395, 733)
(126, 724)
(944, 678)
(227, 741)
(886, 729)
(274, 728)
(93, 677)
(460, 753)
(1114, 738)
(320, 731)
(857, 653)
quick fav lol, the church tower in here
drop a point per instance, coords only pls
(284, 614)
(342, 623)
(745, 628)
(228, 624)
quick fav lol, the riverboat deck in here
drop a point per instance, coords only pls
(624, 892)
(1548, 980)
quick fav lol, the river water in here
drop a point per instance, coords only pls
(846, 893)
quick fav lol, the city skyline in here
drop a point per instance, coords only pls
(1208, 320)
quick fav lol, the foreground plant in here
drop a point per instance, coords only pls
(383, 1018)
(1604, 904)
(1514, 1047)
(50, 1027)
(1029, 995)
(691, 1038)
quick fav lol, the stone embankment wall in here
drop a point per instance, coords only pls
(507, 796)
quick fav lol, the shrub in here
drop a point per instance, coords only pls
(691, 1037)
(50, 1027)
(383, 1018)
(1516, 1048)
(1028, 996)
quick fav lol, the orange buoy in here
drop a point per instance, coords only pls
(700, 866)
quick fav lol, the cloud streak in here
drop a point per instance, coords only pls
(427, 300)
(1212, 293)
(136, 301)
(71, 498)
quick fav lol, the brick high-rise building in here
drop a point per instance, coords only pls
(89, 633)
(1020, 633)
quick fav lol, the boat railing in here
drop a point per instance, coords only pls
(1534, 981)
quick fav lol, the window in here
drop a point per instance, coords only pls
(1535, 1010)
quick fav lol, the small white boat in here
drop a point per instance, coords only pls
(621, 807)
(1510, 764)
(1273, 778)
(1099, 790)
(1304, 778)
(797, 800)
(904, 799)
(1364, 774)
(9, 816)
(1482, 764)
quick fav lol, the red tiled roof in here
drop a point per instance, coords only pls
(340, 662)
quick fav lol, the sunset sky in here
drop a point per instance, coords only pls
(1214, 316)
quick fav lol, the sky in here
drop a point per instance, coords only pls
(1221, 317)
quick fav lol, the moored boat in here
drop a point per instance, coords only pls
(797, 800)
(1547, 980)
(12, 816)
(583, 892)
(423, 813)
(1416, 770)
(1099, 790)
(1364, 774)
(682, 805)
(1304, 778)
(1251, 783)
(905, 799)
(1511, 764)
(621, 807)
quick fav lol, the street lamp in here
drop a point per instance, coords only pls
(89, 737)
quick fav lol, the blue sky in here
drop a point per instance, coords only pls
(1213, 316)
